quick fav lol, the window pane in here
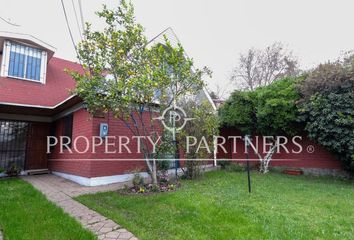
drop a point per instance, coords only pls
(25, 62)
(33, 68)
(16, 64)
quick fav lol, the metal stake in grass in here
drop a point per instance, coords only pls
(247, 142)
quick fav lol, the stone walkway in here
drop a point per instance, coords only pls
(61, 191)
(1, 235)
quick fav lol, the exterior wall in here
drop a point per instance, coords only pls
(55, 90)
(101, 168)
(320, 158)
(73, 163)
(99, 163)
(82, 126)
(71, 166)
(115, 163)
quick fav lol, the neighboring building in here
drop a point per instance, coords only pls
(36, 102)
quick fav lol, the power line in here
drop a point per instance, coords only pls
(8, 22)
(67, 24)
(82, 16)
(77, 20)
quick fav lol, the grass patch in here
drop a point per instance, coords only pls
(219, 207)
(25, 213)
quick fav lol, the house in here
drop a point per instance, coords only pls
(36, 102)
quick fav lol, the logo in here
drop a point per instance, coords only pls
(174, 118)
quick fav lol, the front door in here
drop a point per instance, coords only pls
(37, 146)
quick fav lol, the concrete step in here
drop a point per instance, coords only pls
(38, 171)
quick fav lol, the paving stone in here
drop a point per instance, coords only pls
(95, 227)
(106, 230)
(101, 237)
(60, 191)
(114, 234)
(108, 238)
(110, 223)
(125, 235)
(95, 219)
(1, 236)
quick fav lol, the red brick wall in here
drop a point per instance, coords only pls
(71, 166)
(99, 163)
(319, 158)
(115, 163)
(82, 126)
(113, 167)
(73, 163)
(102, 164)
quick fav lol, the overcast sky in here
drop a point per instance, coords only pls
(213, 32)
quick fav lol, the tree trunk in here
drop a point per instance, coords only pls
(264, 167)
(154, 172)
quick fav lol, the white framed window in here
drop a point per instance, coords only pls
(23, 62)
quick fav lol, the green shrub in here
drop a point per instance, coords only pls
(327, 108)
(164, 165)
(155, 188)
(230, 166)
(138, 180)
(13, 170)
(269, 110)
(235, 167)
(223, 163)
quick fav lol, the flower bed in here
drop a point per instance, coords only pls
(140, 187)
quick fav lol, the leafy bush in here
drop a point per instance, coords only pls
(276, 109)
(230, 166)
(239, 111)
(223, 163)
(204, 125)
(155, 188)
(269, 110)
(330, 122)
(327, 108)
(235, 167)
(193, 169)
(322, 103)
(165, 151)
(138, 180)
(13, 170)
(329, 78)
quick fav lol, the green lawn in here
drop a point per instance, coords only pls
(219, 207)
(26, 214)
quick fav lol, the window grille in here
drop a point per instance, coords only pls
(13, 140)
(23, 62)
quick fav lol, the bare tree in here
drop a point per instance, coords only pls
(218, 93)
(261, 67)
